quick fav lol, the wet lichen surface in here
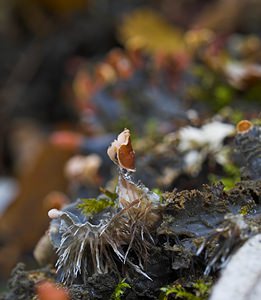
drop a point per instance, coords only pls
(163, 245)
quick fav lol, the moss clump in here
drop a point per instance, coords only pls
(199, 291)
(92, 206)
(231, 177)
(246, 209)
(120, 290)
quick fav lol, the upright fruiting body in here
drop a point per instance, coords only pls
(244, 126)
(121, 152)
(248, 141)
(102, 242)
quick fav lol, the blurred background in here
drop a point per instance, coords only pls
(74, 73)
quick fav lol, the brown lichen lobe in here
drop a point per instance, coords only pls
(244, 126)
(121, 151)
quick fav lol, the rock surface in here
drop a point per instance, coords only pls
(241, 279)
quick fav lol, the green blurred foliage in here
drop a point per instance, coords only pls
(211, 88)
(120, 290)
(231, 177)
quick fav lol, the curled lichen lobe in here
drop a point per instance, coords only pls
(244, 126)
(121, 151)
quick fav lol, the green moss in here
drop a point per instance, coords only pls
(124, 122)
(92, 206)
(202, 288)
(120, 290)
(231, 177)
(178, 291)
(247, 209)
(256, 122)
(151, 128)
(223, 95)
(199, 291)
(211, 88)
(111, 195)
(244, 210)
(236, 116)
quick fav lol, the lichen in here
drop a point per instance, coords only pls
(110, 229)
(140, 232)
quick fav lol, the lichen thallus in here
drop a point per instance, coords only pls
(114, 239)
